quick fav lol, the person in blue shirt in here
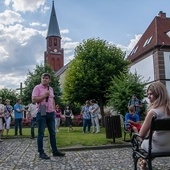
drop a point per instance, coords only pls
(18, 114)
(86, 117)
(136, 103)
(132, 120)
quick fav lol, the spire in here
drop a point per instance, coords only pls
(53, 28)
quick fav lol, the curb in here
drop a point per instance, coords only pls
(82, 148)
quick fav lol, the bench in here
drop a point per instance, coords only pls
(156, 125)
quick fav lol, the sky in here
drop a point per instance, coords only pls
(24, 24)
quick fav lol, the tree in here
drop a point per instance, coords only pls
(9, 94)
(121, 90)
(34, 78)
(89, 74)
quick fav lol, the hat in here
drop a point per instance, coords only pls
(7, 100)
(0, 98)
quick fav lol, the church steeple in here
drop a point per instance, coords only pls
(54, 54)
(53, 28)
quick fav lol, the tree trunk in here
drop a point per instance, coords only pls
(102, 112)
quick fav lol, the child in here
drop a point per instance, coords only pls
(132, 120)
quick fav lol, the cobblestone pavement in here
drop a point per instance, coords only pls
(21, 154)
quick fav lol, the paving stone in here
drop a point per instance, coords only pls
(21, 154)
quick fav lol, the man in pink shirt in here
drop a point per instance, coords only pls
(43, 95)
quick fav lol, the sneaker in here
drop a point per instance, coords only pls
(93, 132)
(97, 132)
(43, 156)
(58, 153)
(31, 137)
(15, 134)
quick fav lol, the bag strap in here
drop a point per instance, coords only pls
(7, 109)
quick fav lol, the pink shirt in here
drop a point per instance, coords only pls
(38, 91)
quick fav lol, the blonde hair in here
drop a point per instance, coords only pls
(160, 93)
(131, 108)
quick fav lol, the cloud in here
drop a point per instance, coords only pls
(131, 45)
(7, 2)
(34, 24)
(10, 17)
(26, 5)
(64, 31)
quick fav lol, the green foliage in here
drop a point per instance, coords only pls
(9, 94)
(90, 73)
(122, 88)
(34, 78)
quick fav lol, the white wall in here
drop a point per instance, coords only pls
(144, 68)
(167, 69)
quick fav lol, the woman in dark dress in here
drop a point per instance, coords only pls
(68, 114)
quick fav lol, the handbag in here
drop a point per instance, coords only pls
(72, 116)
(3, 120)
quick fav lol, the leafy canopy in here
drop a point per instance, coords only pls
(90, 73)
(10, 94)
(122, 88)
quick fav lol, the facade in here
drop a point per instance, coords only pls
(151, 55)
(54, 54)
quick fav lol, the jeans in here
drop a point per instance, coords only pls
(86, 123)
(33, 123)
(18, 122)
(49, 120)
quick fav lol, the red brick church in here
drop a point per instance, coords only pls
(54, 54)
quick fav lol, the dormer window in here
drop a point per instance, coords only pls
(134, 51)
(168, 34)
(147, 41)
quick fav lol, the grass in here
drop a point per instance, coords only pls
(75, 137)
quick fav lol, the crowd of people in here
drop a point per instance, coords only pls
(44, 112)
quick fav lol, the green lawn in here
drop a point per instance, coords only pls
(75, 137)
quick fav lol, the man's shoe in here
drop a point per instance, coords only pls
(55, 154)
(31, 137)
(43, 156)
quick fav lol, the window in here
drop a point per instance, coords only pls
(134, 51)
(147, 41)
(168, 34)
(55, 42)
(50, 42)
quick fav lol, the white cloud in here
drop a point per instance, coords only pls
(64, 31)
(44, 9)
(10, 17)
(34, 24)
(65, 39)
(44, 25)
(70, 45)
(27, 5)
(7, 2)
(131, 45)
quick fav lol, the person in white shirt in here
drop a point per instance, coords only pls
(32, 112)
(94, 109)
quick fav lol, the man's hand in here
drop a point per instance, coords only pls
(47, 93)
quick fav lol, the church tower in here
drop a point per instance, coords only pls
(54, 54)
